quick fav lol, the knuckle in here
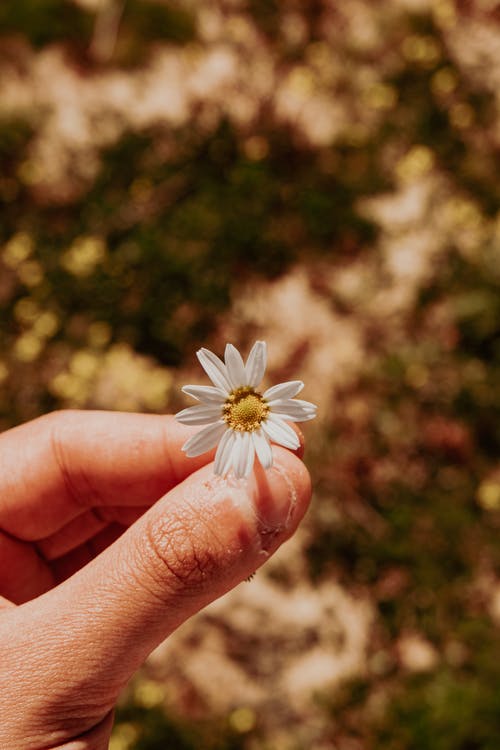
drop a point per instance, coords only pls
(185, 553)
(77, 484)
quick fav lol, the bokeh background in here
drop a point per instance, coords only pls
(323, 176)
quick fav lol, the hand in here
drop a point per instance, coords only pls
(110, 538)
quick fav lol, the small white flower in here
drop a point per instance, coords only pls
(241, 420)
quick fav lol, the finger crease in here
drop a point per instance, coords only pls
(80, 492)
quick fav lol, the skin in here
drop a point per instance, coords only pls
(110, 538)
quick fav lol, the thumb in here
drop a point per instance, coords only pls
(201, 539)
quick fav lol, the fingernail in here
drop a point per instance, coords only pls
(276, 498)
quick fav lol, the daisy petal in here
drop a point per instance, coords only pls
(284, 390)
(250, 456)
(199, 414)
(215, 369)
(204, 440)
(235, 367)
(224, 456)
(236, 449)
(205, 393)
(262, 449)
(294, 410)
(306, 417)
(256, 364)
(307, 405)
(279, 432)
(243, 455)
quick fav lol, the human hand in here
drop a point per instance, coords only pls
(110, 538)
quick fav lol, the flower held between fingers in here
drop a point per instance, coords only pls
(242, 421)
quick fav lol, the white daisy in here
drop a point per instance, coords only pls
(241, 420)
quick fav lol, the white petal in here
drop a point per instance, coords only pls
(250, 457)
(235, 367)
(205, 393)
(204, 440)
(294, 410)
(279, 432)
(307, 405)
(237, 452)
(284, 390)
(256, 364)
(243, 455)
(262, 449)
(224, 455)
(306, 417)
(215, 369)
(199, 414)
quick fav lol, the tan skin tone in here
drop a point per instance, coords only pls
(109, 539)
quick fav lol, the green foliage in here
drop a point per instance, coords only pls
(45, 21)
(425, 114)
(445, 711)
(152, 20)
(200, 221)
(153, 729)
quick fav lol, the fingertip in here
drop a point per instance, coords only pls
(292, 463)
(300, 450)
(282, 496)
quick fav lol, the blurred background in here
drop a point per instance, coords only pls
(323, 176)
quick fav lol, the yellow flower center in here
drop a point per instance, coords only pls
(244, 410)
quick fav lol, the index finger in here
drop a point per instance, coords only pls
(56, 467)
